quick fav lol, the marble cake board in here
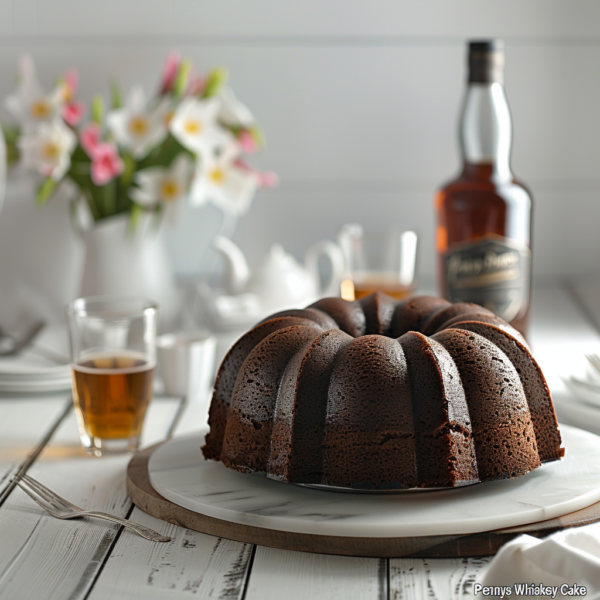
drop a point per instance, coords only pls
(173, 482)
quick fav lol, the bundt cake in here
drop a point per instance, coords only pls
(377, 394)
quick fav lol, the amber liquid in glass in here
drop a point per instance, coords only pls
(478, 205)
(388, 286)
(111, 394)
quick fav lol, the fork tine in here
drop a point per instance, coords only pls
(58, 507)
(38, 488)
(45, 498)
(48, 494)
(39, 501)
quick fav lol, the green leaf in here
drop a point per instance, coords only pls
(11, 136)
(103, 201)
(257, 135)
(130, 165)
(183, 76)
(12, 155)
(97, 109)
(11, 133)
(163, 155)
(45, 191)
(215, 81)
(116, 96)
(135, 215)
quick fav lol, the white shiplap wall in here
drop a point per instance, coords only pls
(359, 102)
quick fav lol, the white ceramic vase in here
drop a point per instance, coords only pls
(125, 263)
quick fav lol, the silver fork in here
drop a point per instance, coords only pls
(62, 509)
(594, 360)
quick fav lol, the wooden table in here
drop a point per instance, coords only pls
(42, 557)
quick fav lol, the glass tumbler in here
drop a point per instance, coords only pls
(113, 355)
(377, 262)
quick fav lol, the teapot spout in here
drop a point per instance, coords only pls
(238, 272)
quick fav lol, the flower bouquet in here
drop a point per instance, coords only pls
(189, 140)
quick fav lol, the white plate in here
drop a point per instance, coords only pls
(346, 490)
(62, 376)
(179, 473)
(15, 367)
(35, 386)
(36, 382)
(31, 373)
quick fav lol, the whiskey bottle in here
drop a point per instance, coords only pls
(483, 229)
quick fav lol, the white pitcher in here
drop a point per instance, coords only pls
(124, 263)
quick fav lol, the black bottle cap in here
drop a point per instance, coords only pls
(486, 61)
(493, 45)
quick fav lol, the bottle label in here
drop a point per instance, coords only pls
(491, 271)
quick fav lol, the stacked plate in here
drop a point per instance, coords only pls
(578, 403)
(28, 374)
(584, 382)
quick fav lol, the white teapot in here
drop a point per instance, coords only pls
(280, 282)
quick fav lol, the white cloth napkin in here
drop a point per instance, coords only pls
(568, 557)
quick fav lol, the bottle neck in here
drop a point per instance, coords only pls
(485, 129)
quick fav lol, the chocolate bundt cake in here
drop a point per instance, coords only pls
(380, 394)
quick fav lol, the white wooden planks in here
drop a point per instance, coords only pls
(291, 215)
(353, 115)
(192, 563)
(312, 18)
(44, 557)
(359, 103)
(141, 572)
(350, 128)
(278, 574)
(23, 424)
(435, 579)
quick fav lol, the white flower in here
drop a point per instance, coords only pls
(232, 112)
(195, 126)
(224, 183)
(135, 126)
(159, 184)
(47, 149)
(30, 104)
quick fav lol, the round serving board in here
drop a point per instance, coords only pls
(173, 482)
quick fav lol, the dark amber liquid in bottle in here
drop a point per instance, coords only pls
(479, 204)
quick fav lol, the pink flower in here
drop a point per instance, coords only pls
(169, 72)
(268, 179)
(247, 142)
(90, 138)
(106, 163)
(264, 178)
(72, 113)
